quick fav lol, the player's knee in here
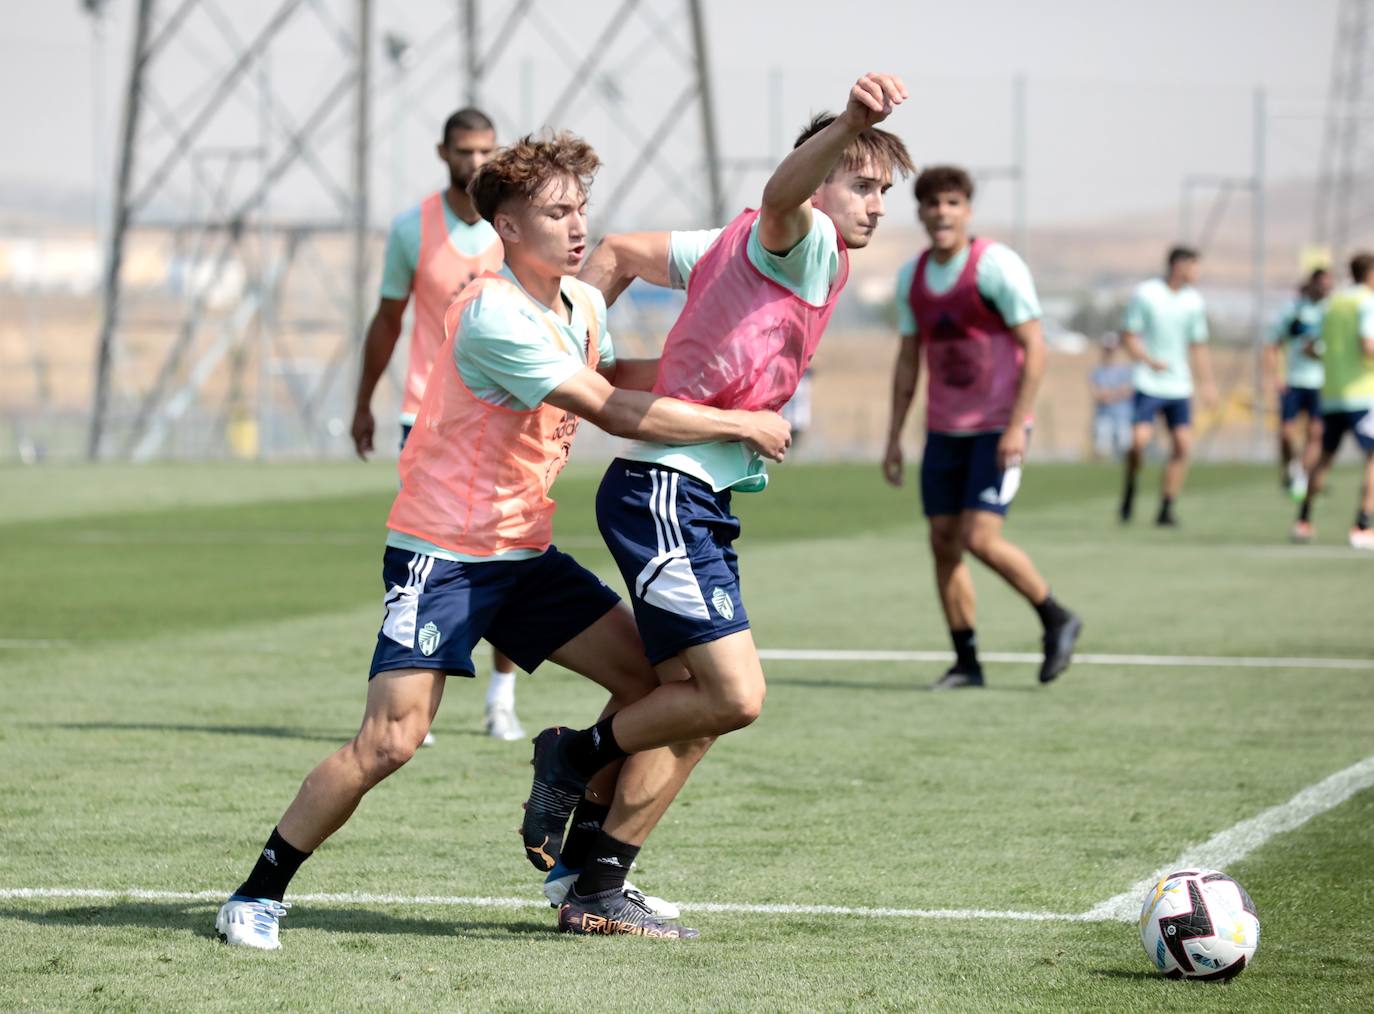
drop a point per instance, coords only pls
(979, 542)
(386, 753)
(947, 546)
(738, 708)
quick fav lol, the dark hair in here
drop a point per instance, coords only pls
(466, 118)
(1315, 275)
(1179, 254)
(1360, 266)
(884, 149)
(941, 179)
(521, 169)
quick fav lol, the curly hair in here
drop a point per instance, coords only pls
(523, 168)
(883, 149)
(943, 179)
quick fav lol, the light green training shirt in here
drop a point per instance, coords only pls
(808, 269)
(1003, 279)
(1169, 323)
(1349, 321)
(506, 358)
(403, 247)
(1300, 323)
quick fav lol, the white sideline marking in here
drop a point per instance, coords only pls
(1237, 842)
(1219, 851)
(1081, 658)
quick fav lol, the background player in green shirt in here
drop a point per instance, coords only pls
(1347, 395)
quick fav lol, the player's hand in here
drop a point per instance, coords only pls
(1210, 397)
(768, 434)
(1158, 365)
(892, 463)
(873, 98)
(1011, 448)
(364, 426)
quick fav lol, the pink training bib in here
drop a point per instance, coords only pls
(441, 273)
(973, 362)
(743, 340)
(475, 477)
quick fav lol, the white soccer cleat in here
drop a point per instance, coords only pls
(502, 724)
(250, 922)
(556, 890)
(1362, 538)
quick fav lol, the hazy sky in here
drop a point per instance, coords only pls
(1124, 98)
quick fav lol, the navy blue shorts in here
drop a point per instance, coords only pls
(673, 538)
(437, 610)
(1295, 400)
(960, 473)
(1335, 425)
(1176, 411)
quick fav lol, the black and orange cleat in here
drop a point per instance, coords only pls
(1059, 642)
(616, 912)
(554, 793)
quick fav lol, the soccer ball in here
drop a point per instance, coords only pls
(1199, 924)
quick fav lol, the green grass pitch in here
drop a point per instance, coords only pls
(178, 645)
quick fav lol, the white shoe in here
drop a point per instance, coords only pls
(250, 922)
(502, 723)
(1362, 538)
(557, 888)
(428, 740)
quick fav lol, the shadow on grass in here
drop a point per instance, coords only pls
(264, 731)
(198, 918)
(913, 685)
(1123, 973)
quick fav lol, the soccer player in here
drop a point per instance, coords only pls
(469, 552)
(1165, 332)
(759, 294)
(967, 307)
(1296, 334)
(1347, 338)
(432, 252)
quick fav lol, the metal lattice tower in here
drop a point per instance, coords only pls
(1345, 187)
(240, 267)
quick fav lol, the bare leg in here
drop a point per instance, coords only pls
(1367, 490)
(400, 706)
(1288, 442)
(1176, 470)
(1141, 433)
(953, 580)
(982, 535)
(1313, 448)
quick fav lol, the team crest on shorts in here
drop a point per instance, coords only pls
(720, 598)
(429, 638)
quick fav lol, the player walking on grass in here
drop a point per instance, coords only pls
(1347, 338)
(759, 294)
(469, 551)
(968, 308)
(1297, 336)
(1164, 331)
(432, 252)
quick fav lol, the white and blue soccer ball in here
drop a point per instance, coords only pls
(1199, 924)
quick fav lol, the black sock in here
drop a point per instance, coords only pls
(1362, 521)
(1051, 613)
(1166, 505)
(965, 649)
(1305, 511)
(608, 864)
(276, 866)
(582, 831)
(592, 749)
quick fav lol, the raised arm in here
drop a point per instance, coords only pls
(620, 258)
(785, 215)
(639, 415)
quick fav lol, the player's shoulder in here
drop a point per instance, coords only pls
(998, 255)
(907, 271)
(407, 220)
(496, 307)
